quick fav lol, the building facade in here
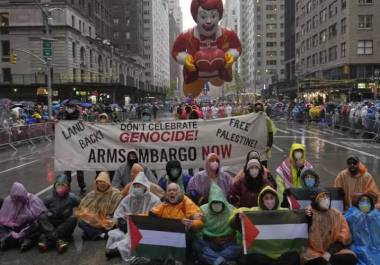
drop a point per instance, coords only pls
(337, 47)
(156, 44)
(85, 64)
(263, 37)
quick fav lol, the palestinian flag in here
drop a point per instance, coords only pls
(302, 198)
(157, 238)
(277, 232)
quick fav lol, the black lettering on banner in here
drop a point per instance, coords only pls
(101, 154)
(112, 156)
(122, 158)
(73, 130)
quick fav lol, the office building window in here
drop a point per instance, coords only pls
(365, 21)
(5, 51)
(333, 53)
(365, 2)
(343, 25)
(365, 47)
(343, 50)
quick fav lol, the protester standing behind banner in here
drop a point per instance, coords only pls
(123, 174)
(72, 113)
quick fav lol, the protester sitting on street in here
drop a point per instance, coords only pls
(19, 216)
(217, 244)
(289, 172)
(356, 179)
(309, 178)
(268, 199)
(364, 221)
(123, 174)
(245, 191)
(174, 174)
(97, 207)
(139, 201)
(154, 188)
(178, 206)
(199, 185)
(329, 234)
(71, 114)
(57, 229)
(271, 129)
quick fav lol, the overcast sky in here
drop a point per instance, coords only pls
(188, 21)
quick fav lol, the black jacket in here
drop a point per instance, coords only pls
(61, 208)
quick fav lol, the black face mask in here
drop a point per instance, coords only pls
(353, 170)
(131, 162)
(258, 109)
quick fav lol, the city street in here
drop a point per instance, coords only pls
(326, 149)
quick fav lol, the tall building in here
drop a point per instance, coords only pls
(337, 48)
(85, 64)
(262, 30)
(156, 44)
(247, 60)
(175, 9)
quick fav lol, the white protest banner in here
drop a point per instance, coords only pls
(87, 146)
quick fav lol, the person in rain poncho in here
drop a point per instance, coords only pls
(154, 188)
(329, 234)
(123, 174)
(174, 174)
(289, 172)
(58, 228)
(271, 128)
(268, 200)
(178, 206)
(364, 221)
(19, 216)
(245, 191)
(356, 179)
(139, 201)
(199, 185)
(218, 244)
(97, 207)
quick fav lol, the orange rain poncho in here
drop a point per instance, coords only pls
(185, 209)
(97, 208)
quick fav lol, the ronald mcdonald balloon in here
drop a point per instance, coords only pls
(207, 51)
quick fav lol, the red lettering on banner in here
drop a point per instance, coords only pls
(154, 137)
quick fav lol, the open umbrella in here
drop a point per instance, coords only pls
(86, 105)
(67, 102)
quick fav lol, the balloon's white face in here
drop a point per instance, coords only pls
(207, 21)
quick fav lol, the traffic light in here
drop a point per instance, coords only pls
(13, 58)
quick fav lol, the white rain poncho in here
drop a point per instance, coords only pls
(131, 204)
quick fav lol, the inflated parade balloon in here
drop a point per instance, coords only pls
(207, 51)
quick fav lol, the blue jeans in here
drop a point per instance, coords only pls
(89, 232)
(212, 254)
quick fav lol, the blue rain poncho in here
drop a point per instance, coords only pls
(365, 235)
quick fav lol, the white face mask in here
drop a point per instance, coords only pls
(70, 110)
(324, 204)
(254, 172)
(138, 192)
(217, 207)
(298, 155)
(207, 21)
(214, 165)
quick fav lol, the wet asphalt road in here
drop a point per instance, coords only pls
(32, 165)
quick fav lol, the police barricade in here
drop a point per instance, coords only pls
(49, 129)
(36, 130)
(19, 134)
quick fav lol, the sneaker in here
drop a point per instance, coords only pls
(62, 246)
(26, 245)
(112, 253)
(83, 190)
(42, 246)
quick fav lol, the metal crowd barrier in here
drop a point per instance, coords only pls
(16, 135)
(367, 128)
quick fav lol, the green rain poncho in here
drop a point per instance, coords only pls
(216, 224)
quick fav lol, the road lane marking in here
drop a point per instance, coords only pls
(283, 131)
(22, 165)
(278, 148)
(321, 131)
(44, 190)
(335, 132)
(355, 139)
(308, 131)
(294, 131)
(294, 136)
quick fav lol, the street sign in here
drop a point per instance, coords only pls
(47, 48)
